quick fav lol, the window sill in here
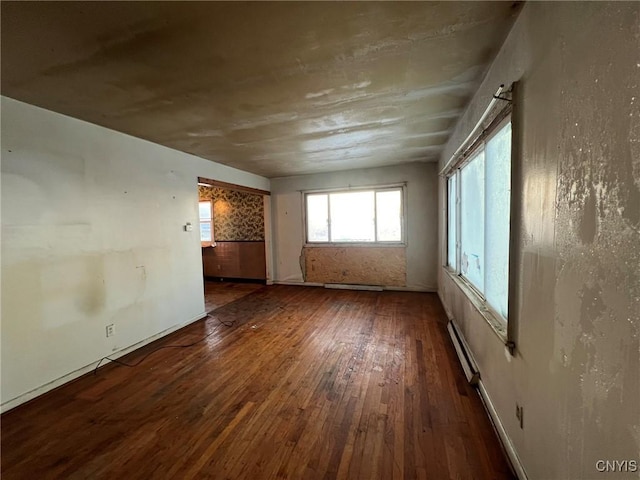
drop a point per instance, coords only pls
(497, 325)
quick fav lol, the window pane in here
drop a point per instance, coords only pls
(204, 210)
(472, 221)
(389, 215)
(205, 231)
(317, 218)
(498, 197)
(451, 223)
(352, 217)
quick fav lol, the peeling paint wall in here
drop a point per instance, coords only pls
(577, 365)
(421, 249)
(92, 234)
(385, 266)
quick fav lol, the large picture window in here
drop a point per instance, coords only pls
(478, 218)
(355, 216)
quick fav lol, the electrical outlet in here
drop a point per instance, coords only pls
(111, 330)
(520, 415)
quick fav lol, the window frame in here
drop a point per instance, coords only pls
(456, 199)
(207, 243)
(473, 154)
(401, 187)
(497, 321)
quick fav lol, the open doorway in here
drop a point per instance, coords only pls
(232, 232)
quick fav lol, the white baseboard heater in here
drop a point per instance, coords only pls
(473, 376)
(468, 365)
(344, 286)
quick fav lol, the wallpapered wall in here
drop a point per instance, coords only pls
(237, 216)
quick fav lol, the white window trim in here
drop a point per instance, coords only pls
(495, 321)
(376, 188)
(499, 324)
(212, 242)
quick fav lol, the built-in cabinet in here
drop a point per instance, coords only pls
(235, 260)
(238, 249)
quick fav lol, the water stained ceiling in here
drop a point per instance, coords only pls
(273, 88)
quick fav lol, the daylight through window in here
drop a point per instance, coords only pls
(357, 216)
(206, 222)
(478, 202)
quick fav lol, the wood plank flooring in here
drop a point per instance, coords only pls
(218, 294)
(305, 383)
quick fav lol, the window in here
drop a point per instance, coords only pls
(355, 216)
(206, 223)
(452, 219)
(478, 202)
(472, 221)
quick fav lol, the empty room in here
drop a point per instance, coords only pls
(320, 240)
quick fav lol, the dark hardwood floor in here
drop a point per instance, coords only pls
(303, 383)
(218, 294)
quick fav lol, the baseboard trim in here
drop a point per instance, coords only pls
(343, 286)
(392, 289)
(505, 440)
(47, 387)
(298, 284)
(411, 289)
(507, 444)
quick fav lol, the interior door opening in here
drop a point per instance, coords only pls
(232, 235)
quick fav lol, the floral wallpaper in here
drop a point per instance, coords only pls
(237, 216)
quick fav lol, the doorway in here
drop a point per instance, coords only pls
(233, 240)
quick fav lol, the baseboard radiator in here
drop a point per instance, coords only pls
(468, 365)
(473, 376)
(343, 286)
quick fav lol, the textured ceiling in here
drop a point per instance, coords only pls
(272, 88)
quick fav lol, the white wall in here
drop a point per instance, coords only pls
(421, 178)
(576, 369)
(92, 234)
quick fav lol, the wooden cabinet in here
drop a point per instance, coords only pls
(235, 260)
